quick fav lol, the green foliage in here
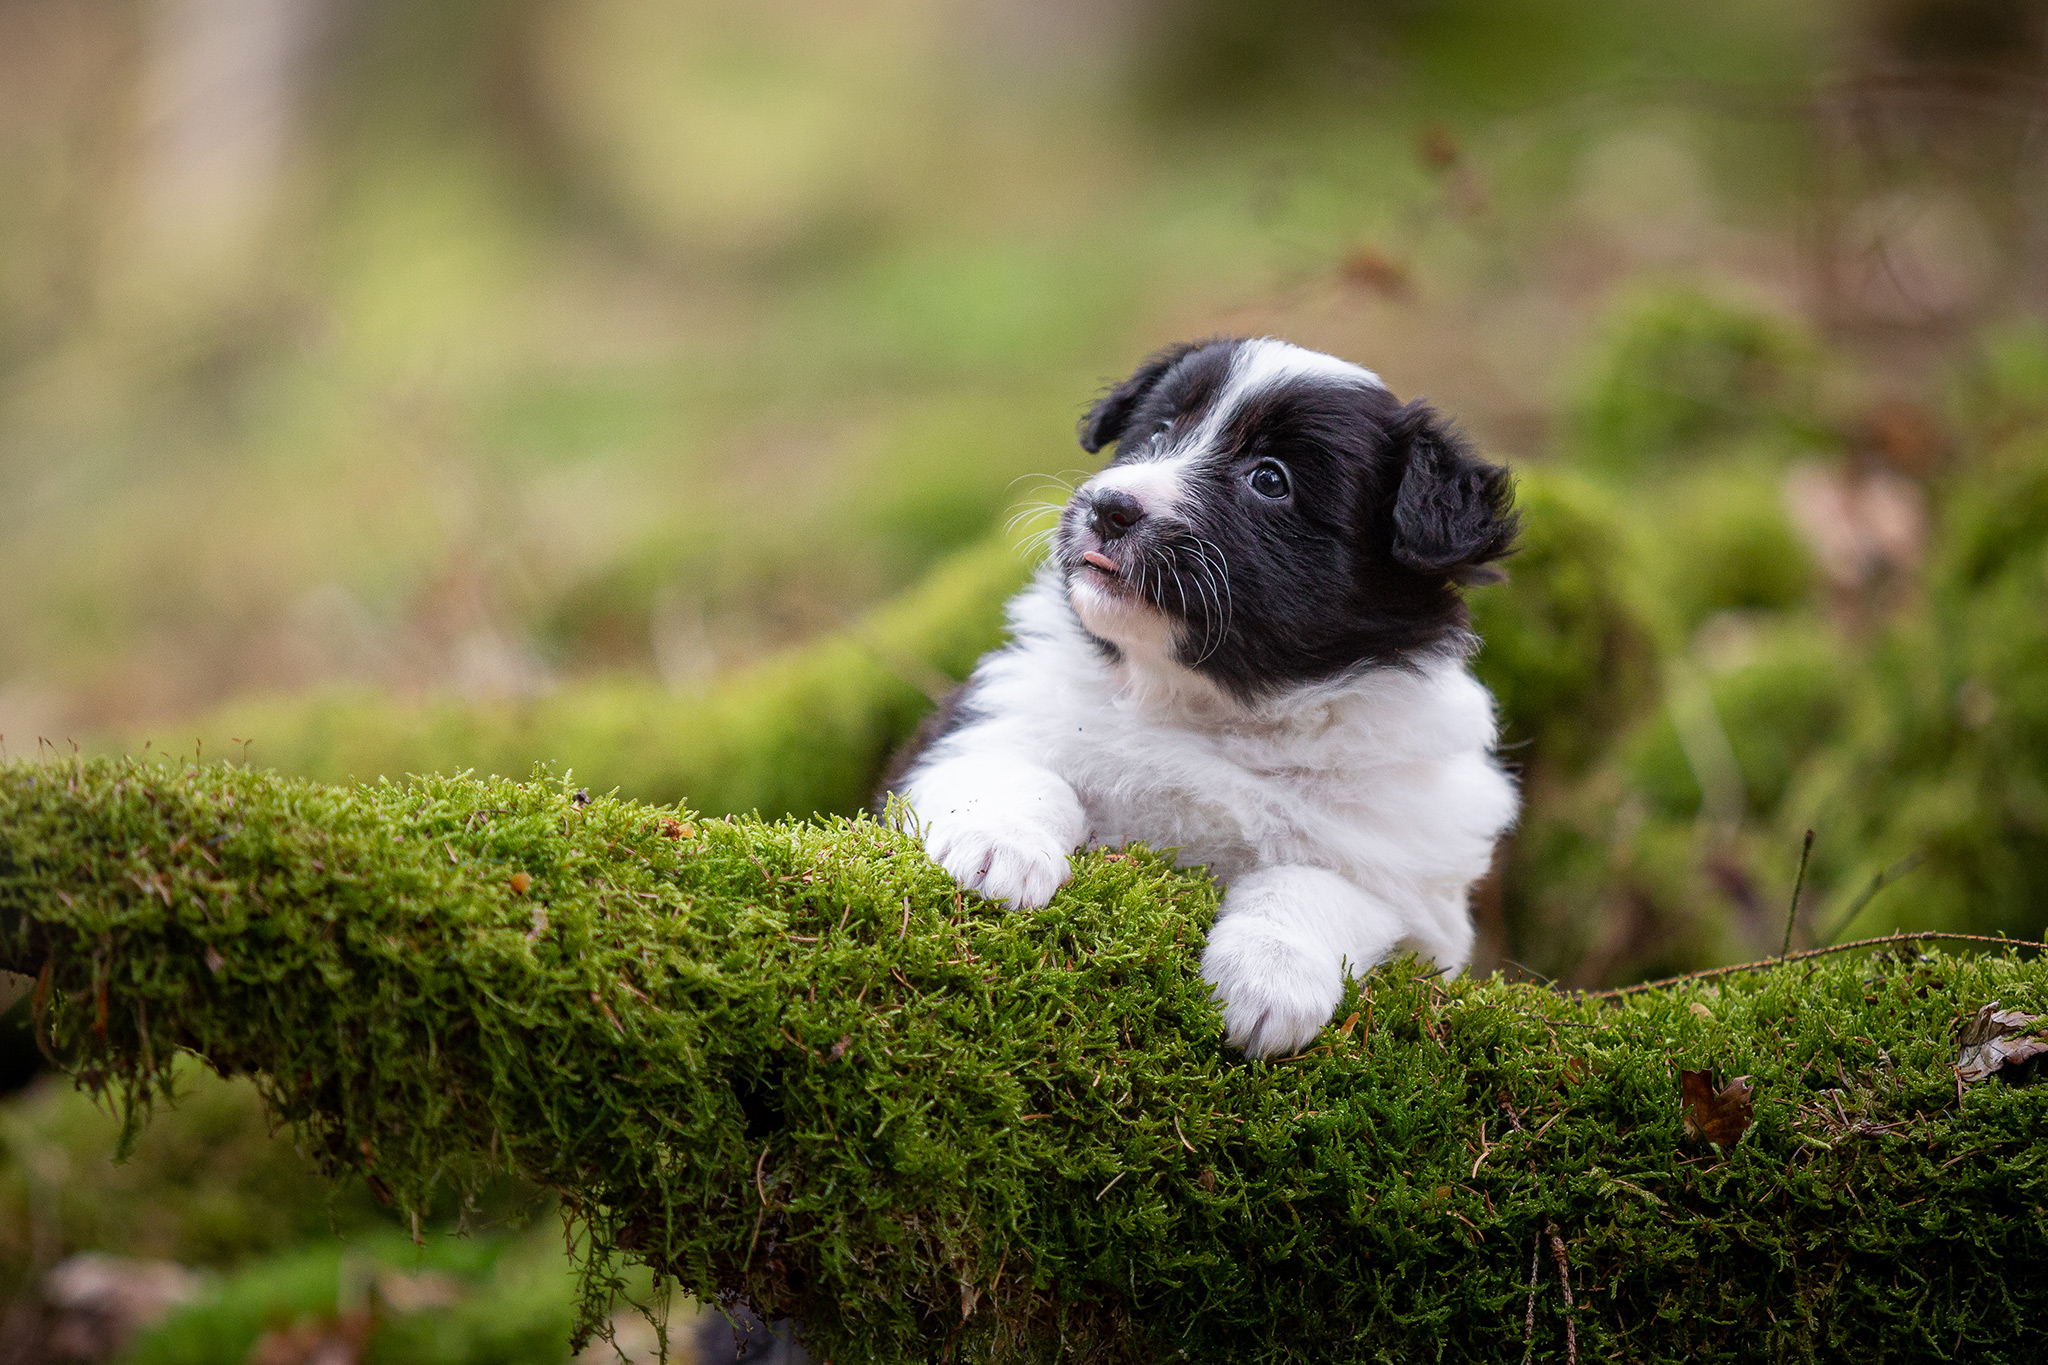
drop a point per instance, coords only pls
(506, 1303)
(1680, 372)
(207, 1186)
(1625, 874)
(1775, 710)
(807, 730)
(1947, 757)
(1716, 538)
(1566, 654)
(792, 1061)
(2003, 389)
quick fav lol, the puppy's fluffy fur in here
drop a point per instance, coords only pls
(1247, 646)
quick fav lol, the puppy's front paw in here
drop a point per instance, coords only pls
(1276, 995)
(1020, 864)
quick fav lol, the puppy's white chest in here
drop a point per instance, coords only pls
(1222, 800)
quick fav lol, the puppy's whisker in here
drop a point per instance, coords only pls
(1034, 507)
(1223, 575)
(1038, 544)
(1026, 517)
(1213, 624)
(1212, 634)
(1056, 480)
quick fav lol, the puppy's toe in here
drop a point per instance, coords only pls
(1025, 878)
(1022, 866)
(1276, 996)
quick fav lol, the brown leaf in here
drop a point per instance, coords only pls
(1438, 147)
(1995, 1038)
(1368, 267)
(839, 1048)
(1720, 1116)
(520, 881)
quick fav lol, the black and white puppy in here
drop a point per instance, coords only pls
(1248, 646)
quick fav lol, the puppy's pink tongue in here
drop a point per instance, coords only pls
(1101, 561)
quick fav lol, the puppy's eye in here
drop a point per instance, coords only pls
(1269, 479)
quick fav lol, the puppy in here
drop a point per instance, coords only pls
(1247, 646)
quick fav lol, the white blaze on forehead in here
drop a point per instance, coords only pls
(1160, 483)
(1268, 361)
(1261, 364)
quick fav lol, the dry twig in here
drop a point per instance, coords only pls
(1708, 974)
(1564, 1280)
(1529, 1313)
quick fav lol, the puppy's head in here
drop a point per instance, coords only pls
(1274, 516)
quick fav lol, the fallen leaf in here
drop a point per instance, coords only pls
(1702, 1011)
(520, 881)
(1721, 1116)
(1860, 526)
(1368, 267)
(1438, 147)
(1994, 1039)
(1905, 435)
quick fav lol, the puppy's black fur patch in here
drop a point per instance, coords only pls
(1388, 512)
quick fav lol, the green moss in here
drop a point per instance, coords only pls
(792, 1061)
(1681, 371)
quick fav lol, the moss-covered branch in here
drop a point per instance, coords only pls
(790, 1061)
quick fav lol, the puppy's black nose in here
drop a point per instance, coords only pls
(1114, 514)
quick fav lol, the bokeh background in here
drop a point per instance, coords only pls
(661, 391)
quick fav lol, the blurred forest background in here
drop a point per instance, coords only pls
(651, 388)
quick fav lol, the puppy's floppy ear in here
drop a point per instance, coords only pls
(1454, 513)
(1105, 421)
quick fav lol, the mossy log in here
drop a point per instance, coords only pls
(792, 1062)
